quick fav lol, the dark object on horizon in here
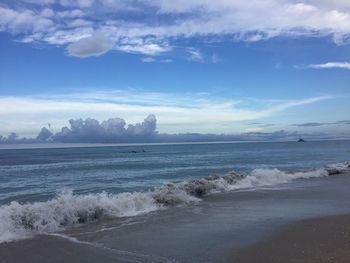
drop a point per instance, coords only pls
(136, 151)
(301, 140)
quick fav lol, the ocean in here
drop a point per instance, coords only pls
(167, 202)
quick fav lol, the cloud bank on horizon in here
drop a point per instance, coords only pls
(92, 131)
(196, 119)
(177, 113)
(93, 27)
(114, 130)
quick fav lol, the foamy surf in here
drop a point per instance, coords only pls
(19, 221)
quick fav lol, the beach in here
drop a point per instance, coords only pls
(222, 228)
(317, 240)
(171, 203)
(321, 240)
(174, 131)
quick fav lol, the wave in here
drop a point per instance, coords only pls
(19, 221)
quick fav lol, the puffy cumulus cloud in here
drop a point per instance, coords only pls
(94, 45)
(237, 20)
(111, 130)
(90, 130)
(147, 127)
(44, 135)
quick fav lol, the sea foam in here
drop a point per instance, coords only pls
(19, 221)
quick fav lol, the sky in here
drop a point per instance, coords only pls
(200, 66)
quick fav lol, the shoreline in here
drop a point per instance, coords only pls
(322, 240)
(217, 230)
(225, 236)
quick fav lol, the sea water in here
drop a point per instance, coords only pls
(45, 190)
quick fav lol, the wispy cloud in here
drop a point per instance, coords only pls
(311, 124)
(154, 60)
(194, 54)
(146, 46)
(330, 65)
(317, 124)
(176, 113)
(343, 122)
(148, 60)
(261, 125)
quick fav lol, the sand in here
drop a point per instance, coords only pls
(46, 249)
(321, 240)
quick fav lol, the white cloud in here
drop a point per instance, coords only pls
(71, 13)
(195, 55)
(79, 23)
(175, 112)
(94, 45)
(78, 3)
(266, 17)
(329, 65)
(24, 21)
(255, 129)
(67, 36)
(40, 2)
(147, 46)
(148, 49)
(153, 60)
(239, 20)
(148, 60)
(47, 12)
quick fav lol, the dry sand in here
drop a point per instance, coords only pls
(321, 240)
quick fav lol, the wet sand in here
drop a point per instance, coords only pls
(51, 250)
(55, 249)
(321, 240)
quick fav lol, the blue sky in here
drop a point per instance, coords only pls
(199, 66)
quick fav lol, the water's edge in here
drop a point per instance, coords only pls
(19, 221)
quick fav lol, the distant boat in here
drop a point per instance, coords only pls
(301, 140)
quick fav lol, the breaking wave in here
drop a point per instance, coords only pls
(18, 221)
